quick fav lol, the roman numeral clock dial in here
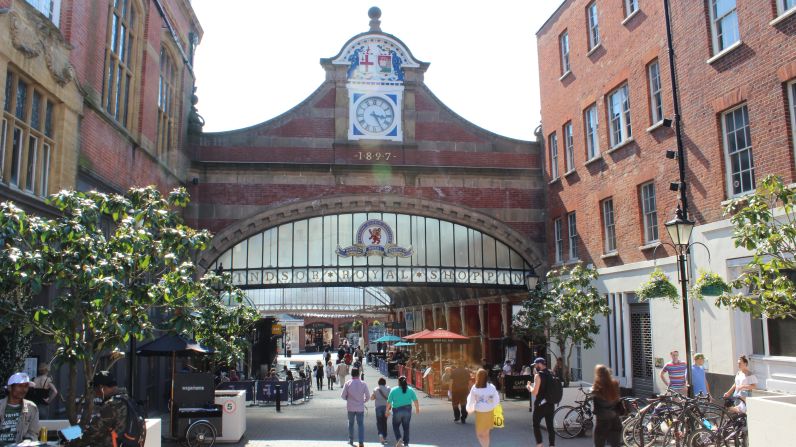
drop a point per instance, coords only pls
(375, 115)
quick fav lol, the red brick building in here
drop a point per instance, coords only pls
(373, 143)
(606, 105)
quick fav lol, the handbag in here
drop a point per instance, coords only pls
(497, 417)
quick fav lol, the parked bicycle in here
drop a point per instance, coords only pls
(731, 433)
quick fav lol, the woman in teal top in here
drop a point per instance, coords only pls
(400, 402)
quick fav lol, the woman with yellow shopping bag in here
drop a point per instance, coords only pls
(484, 402)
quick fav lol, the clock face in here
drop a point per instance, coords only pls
(375, 115)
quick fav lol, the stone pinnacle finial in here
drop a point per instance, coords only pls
(375, 13)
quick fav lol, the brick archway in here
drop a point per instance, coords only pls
(225, 239)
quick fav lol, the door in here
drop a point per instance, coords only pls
(641, 349)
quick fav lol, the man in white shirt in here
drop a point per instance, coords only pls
(355, 393)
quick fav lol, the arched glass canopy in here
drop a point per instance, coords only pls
(358, 249)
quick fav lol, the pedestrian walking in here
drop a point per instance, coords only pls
(605, 391)
(355, 393)
(380, 395)
(399, 402)
(330, 375)
(318, 373)
(676, 369)
(460, 387)
(19, 417)
(482, 399)
(698, 379)
(342, 372)
(543, 407)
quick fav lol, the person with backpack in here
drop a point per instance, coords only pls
(119, 423)
(547, 392)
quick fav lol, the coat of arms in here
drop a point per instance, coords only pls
(374, 231)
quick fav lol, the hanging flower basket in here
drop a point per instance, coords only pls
(658, 286)
(709, 284)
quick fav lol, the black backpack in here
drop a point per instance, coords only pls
(134, 434)
(553, 389)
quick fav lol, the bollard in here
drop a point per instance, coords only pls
(278, 389)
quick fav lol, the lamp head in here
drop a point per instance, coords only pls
(680, 228)
(531, 280)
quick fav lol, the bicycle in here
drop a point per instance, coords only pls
(571, 421)
(731, 433)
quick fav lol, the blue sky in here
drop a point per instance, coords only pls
(258, 58)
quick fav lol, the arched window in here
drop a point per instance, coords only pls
(120, 59)
(167, 103)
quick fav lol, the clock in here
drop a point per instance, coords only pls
(375, 115)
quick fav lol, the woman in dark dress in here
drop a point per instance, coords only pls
(606, 399)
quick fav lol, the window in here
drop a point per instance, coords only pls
(553, 156)
(723, 24)
(770, 337)
(118, 77)
(631, 6)
(619, 115)
(784, 6)
(656, 99)
(738, 151)
(792, 97)
(573, 236)
(27, 126)
(50, 8)
(609, 226)
(594, 27)
(650, 213)
(564, 44)
(592, 137)
(167, 99)
(559, 241)
(569, 147)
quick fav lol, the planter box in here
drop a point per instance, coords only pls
(770, 419)
(153, 429)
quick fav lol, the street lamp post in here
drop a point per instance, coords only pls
(680, 229)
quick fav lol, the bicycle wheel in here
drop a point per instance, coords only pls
(200, 434)
(628, 428)
(568, 422)
(701, 437)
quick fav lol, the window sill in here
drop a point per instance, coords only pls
(724, 52)
(570, 172)
(655, 126)
(650, 246)
(595, 48)
(555, 180)
(621, 145)
(565, 75)
(783, 16)
(630, 17)
(593, 159)
(610, 255)
(736, 197)
(572, 261)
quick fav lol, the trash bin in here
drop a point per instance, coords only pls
(233, 419)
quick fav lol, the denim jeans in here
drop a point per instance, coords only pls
(360, 416)
(400, 418)
(381, 421)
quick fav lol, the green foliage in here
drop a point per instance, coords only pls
(222, 318)
(658, 286)
(115, 261)
(564, 313)
(709, 283)
(765, 224)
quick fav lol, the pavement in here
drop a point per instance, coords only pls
(322, 422)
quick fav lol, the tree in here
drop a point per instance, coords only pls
(765, 224)
(114, 260)
(223, 319)
(23, 269)
(565, 313)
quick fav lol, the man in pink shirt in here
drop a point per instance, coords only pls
(356, 393)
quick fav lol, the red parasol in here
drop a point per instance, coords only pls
(439, 336)
(417, 334)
